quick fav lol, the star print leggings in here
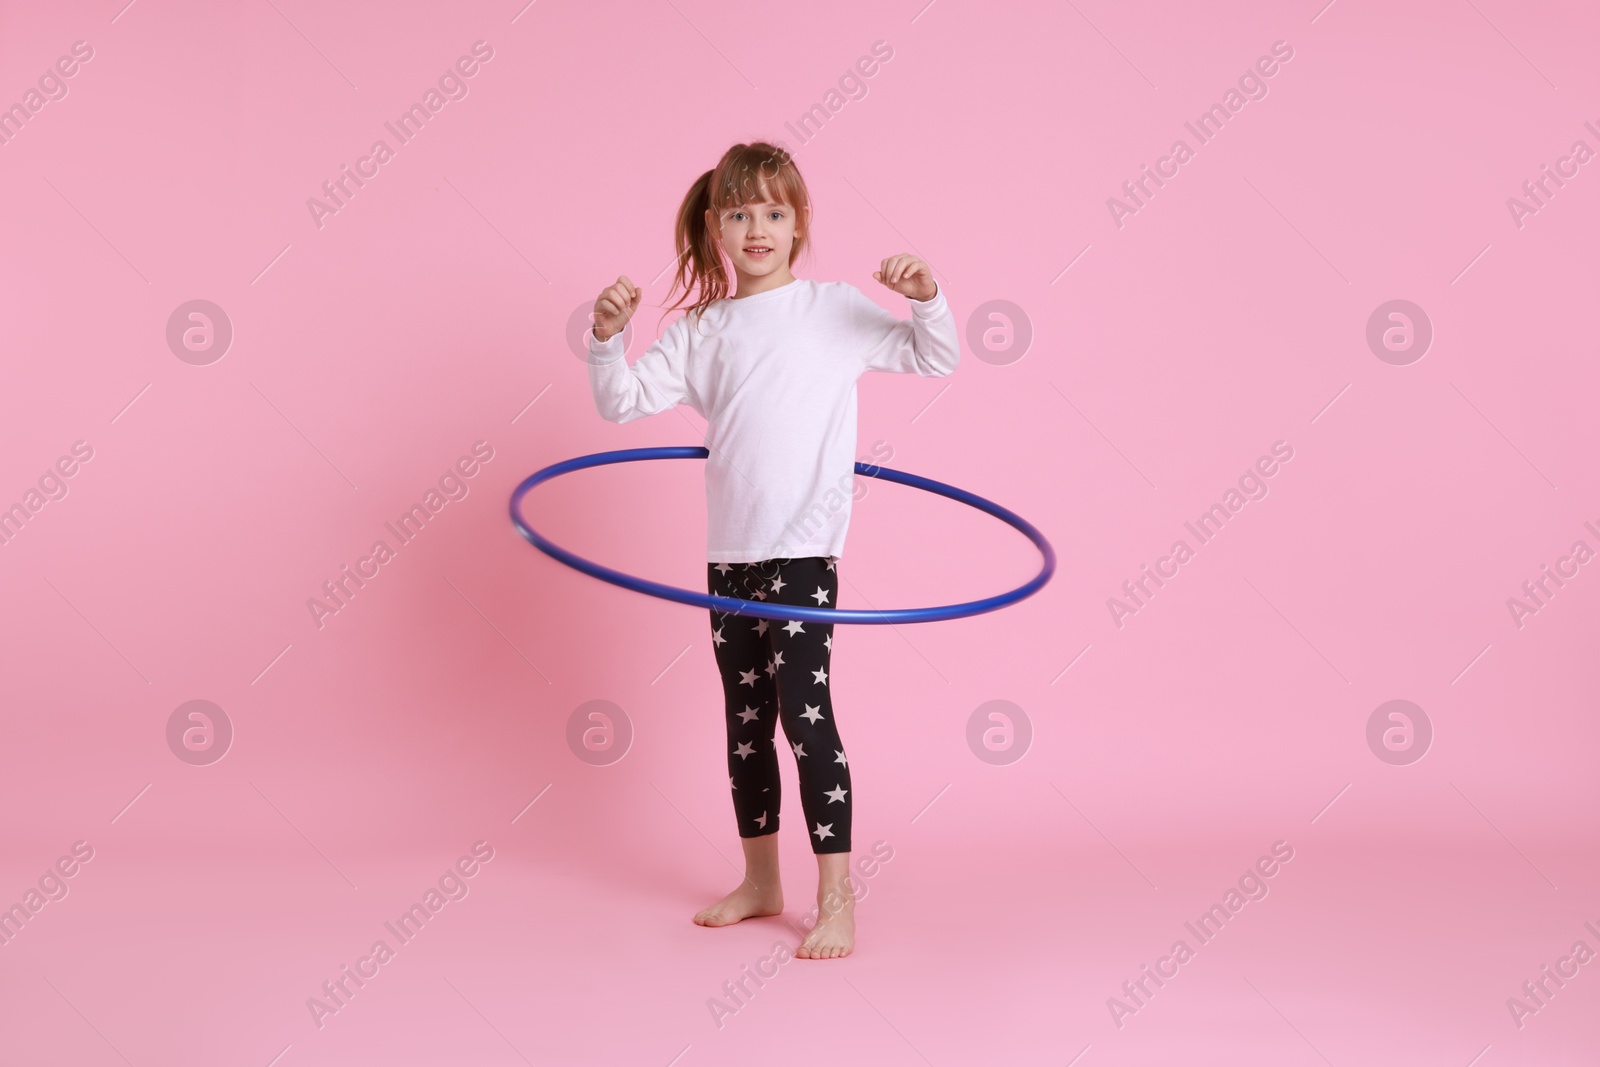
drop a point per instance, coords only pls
(779, 668)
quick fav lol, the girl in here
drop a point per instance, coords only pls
(773, 369)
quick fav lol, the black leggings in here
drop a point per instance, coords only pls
(780, 667)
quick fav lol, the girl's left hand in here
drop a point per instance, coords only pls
(908, 276)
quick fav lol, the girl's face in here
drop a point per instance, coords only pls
(757, 237)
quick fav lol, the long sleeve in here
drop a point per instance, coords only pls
(654, 383)
(927, 344)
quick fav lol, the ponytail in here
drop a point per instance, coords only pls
(699, 260)
(745, 173)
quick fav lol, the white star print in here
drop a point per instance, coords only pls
(761, 626)
(730, 782)
(762, 822)
(747, 678)
(778, 583)
(745, 750)
(839, 789)
(841, 758)
(812, 713)
(799, 750)
(820, 596)
(749, 713)
(717, 638)
(723, 567)
(828, 642)
(820, 675)
(831, 562)
(794, 626)
(823, 831)
(775, 662)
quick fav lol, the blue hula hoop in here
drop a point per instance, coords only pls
(761, 609)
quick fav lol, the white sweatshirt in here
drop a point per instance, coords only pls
(774, 375)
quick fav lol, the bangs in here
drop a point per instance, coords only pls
(760, 172)
(757, 175)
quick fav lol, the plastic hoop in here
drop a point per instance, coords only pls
(762, 609)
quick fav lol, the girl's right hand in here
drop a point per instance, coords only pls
(614, 307)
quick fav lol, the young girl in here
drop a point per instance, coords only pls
(773, 369)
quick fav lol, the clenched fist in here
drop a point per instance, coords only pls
(614, 307)
(908, 276)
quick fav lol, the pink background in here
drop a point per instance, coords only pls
(430, 313)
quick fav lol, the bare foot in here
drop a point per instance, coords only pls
(833, 936)
(742, 903)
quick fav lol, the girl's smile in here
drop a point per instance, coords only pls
(758, 237)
